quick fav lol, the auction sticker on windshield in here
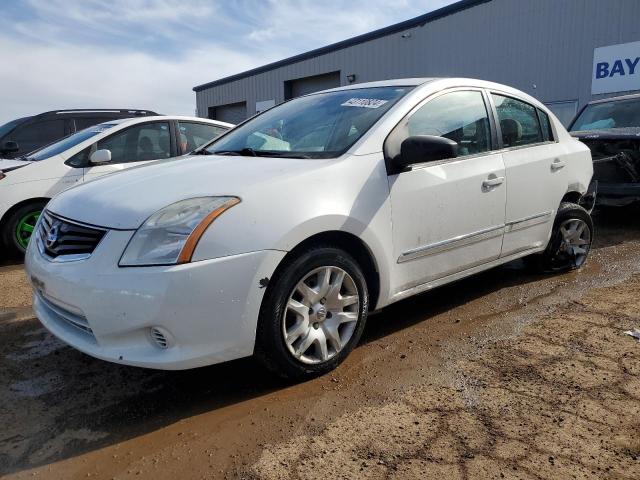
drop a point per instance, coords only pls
(364, 102)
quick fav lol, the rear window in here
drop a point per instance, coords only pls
(86, 122)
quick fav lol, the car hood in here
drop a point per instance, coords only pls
(608, 134)
(125, 200)
(8, 165)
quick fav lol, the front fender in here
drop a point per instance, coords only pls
(349, 196)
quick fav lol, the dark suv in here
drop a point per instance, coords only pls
(24, 135)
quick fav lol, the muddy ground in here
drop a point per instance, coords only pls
(504, 375)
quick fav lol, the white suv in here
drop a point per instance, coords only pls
(303, 219)
(27, 184)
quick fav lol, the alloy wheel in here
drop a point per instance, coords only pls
(575, 242)
(25, 227)
(321, 315)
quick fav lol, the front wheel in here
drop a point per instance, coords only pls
(20, 226)
(570, 241)
(313, 313)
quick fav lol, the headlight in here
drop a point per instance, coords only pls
(170, 236)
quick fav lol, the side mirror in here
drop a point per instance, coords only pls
(425, 148)
(100, 157)
(10, 147)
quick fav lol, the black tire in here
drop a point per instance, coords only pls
(556, 258)
(10, 227)
(271, 349)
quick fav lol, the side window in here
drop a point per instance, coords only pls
(545, 123)
(38, 134)
(518, 122)
(194, 135)
(458, 116)
(149, 141)
(86, 122)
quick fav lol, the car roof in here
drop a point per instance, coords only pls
(442, 82)
(615, 99)
(134, 120)
(16, 121)
(400, 82)
(445, 82)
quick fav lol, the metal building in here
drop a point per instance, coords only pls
(564, 52)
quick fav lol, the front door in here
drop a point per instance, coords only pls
(448, 216)
(132, 146)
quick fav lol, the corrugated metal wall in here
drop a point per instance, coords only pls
(543, 47)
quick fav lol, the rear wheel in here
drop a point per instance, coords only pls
(20, 226)
(313, 313)
(570, 241)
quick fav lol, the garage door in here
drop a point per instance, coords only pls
(231, 113)
(306, 85)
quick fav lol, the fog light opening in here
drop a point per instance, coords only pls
(160, 337)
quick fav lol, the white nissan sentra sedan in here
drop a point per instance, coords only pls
(279, 237)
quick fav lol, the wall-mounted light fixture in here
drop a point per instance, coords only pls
(351, 78)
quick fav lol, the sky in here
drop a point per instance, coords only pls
(149, 54)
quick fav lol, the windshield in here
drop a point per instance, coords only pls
(7, 127)
(68, 142)
(617, 114)
(323, 125)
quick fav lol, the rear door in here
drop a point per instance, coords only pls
(132, 146)
(448, 216)
(536, 174)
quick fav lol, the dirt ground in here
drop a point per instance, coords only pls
(503, 375)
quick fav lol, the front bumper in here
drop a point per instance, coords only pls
(207, 310)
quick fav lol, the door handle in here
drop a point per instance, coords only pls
(557, 165)
(492, 182)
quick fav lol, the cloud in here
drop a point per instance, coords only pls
(51, 77)
(314, 24)
(150, 53)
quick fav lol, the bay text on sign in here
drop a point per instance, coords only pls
(616, 68)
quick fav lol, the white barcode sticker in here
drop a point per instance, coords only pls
(364, 102)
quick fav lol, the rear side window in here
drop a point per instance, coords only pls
(194, 135)
(545, 123)
(86, 122)
(518, 122)
(35, 135)
(459, 116)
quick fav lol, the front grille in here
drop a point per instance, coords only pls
(58, 237)
(63, 316)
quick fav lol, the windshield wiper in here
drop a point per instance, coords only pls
(284, 155)
(245, 152)
(250, 152)
(201, 152)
